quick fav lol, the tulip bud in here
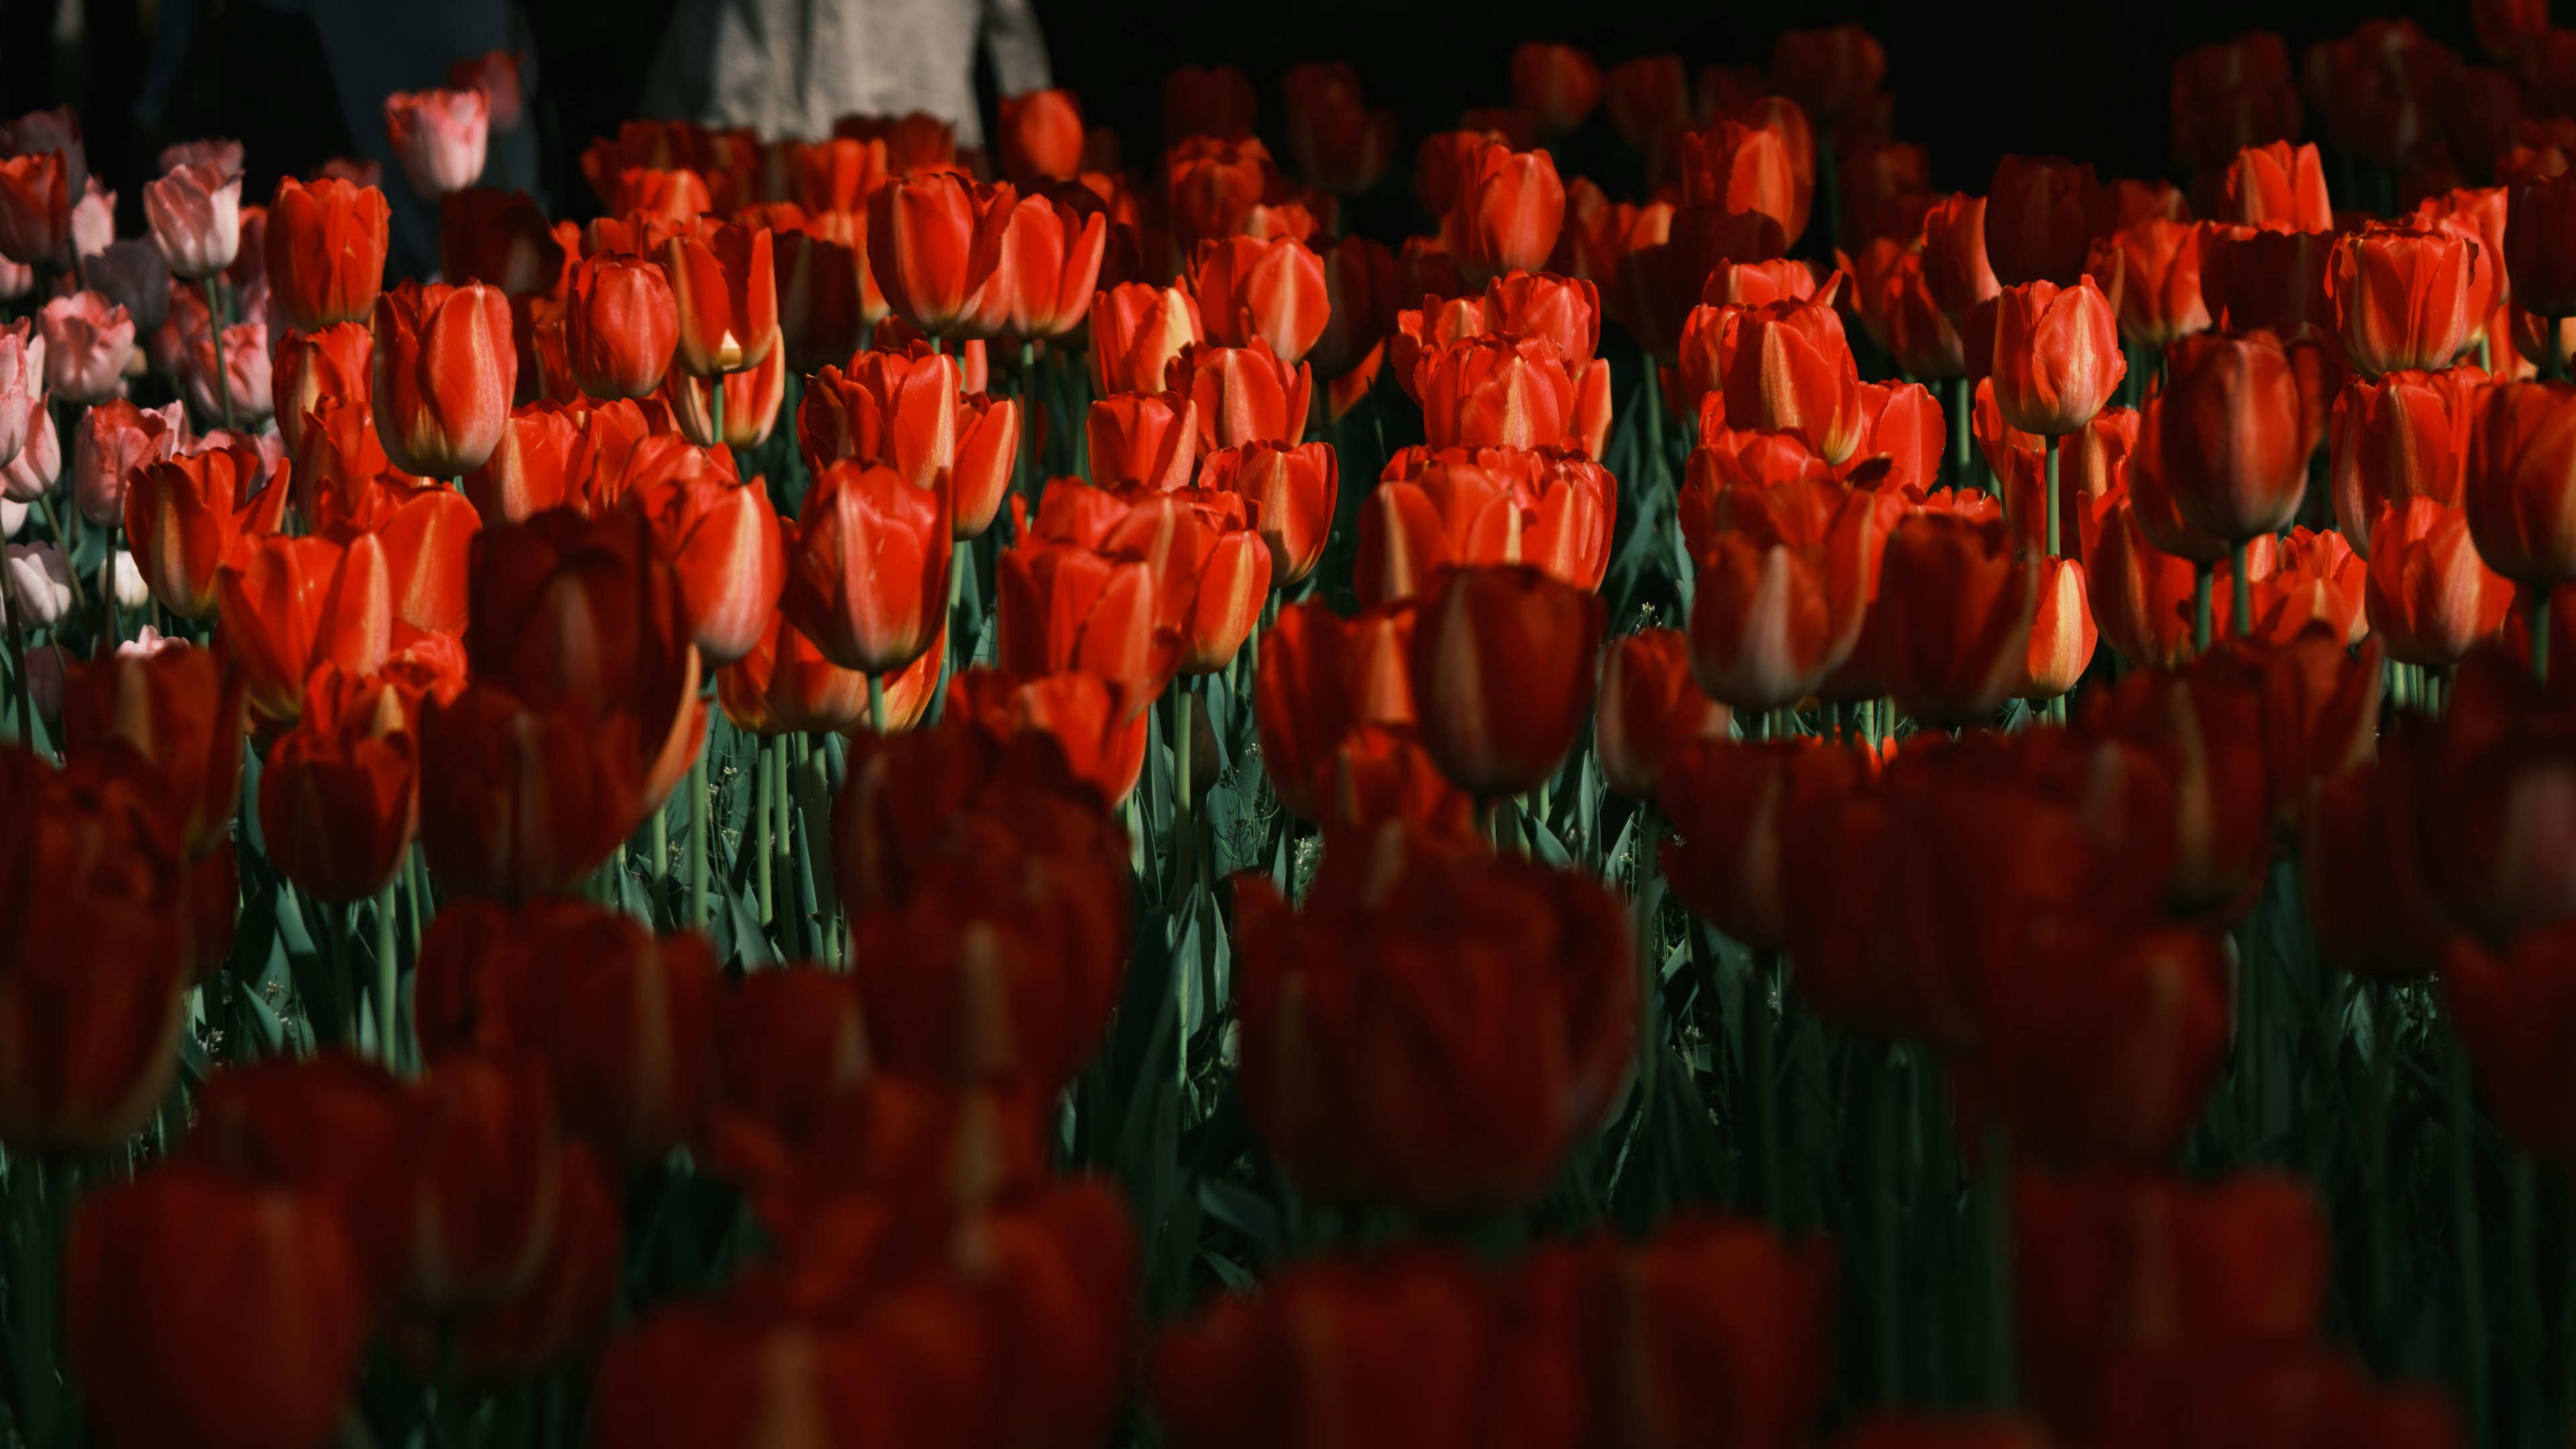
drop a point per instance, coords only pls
(1504, 664)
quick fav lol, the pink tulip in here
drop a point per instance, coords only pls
(439, 137)
(16, 280)
(196, 220)
(222, 154)
(93, 220)
(114, 438)
(38, 586)
(31, 474)
(88, 340)
(22, 382)
(246, 373)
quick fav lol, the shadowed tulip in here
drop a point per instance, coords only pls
(326, 251)
(1955, 609)
(620, 326)
(2521, 481)
(2431, 598)
(2404, 298)
(2228, 448)
(1504, 663)
(185, 514)
(867, 570)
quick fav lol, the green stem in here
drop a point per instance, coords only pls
(1654, 428)
(223, 373)
(2051, 503)
(659, 873)
(2001, 1338)
(18, 666)
(2472, 1263)
(1025, 462)
(416, 882)
(791, 910)
(1650, 1046)
(1761, 1050)
(2383, 1066)
(2240, 591)
(698, 913)
(35, 1325)
(388, 1018)
(1885, 1103)
(876, 702)
(2200, 610)
(1184, 781)
(2249, 1029)
(2523, 1200)
(762, 820)
(335, 930)
(715, 411)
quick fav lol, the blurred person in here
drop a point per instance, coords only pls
(792, 67)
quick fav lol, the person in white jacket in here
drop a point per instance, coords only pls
(792, 67)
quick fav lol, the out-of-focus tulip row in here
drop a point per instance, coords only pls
(1692, 897)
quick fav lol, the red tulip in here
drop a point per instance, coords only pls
(1041, 136)
(723, 543)
(1086, 718)
(2160, 292)
(1648, 98)
(2485, 795)
(1136, 331)
(1145, 439)
(1432, 511)
(184, 516)
(1828, 71)
(867, 572)
(94, 954)
(2037, 220)
(1242, 394)
(2398, 437)
(337, 799)
(2278, 185)
(1791, 369)
(1291, 489)
(2114, 1266)
(1273, 290)
(2226, 447)
(2403, 298)
(2056, 356)
(2513, 1011)
(292, 604)
(1955, 608)
(1557, 84)
(2062, 632)
(1504, 664)
(1730, 805)
(1321, 679)
(1048, 256)
(620, 326)
(1651, 709)
(1954, 257)
(500, 238)
(173, 720)
(1340, 144)
(445, 368)
(2207, 728)
(1744, 181)
(1509, 207)
(1488, 392)
(1207, 101)
(2542, 216)
(2521, 481)
(2432, 599)
(933, 254)
(35, 209)
(724, 293)
(1783, 591)
(1437, 1117)
(752, 399)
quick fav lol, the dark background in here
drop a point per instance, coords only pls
(1973, 81)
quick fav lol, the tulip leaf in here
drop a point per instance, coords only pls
(1543, 842)
(750, 944)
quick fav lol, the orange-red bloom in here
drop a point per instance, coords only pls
(1041, 136)
(2538, 234)
(867, 568)
(1729, 805)
(2521, 481)
(185, 515)
(2431, 598)
(445, 369)
(1790, 369)
(2397, 437)
(1242, 394)
(1145, 439)
(1510, 205)
(1954, 613)
(724, 295)
(933, 254)
(1784, 586)
(620, 326)
(1047, 254)
(2406, 298)
(1504, 661)
(2278, 185)
(1651, 709)
(337, 800)
(2056, 356)
(1272, 289)
(336, 362)
(1291, 489)
(1557, 84)
(2228, 445)
(1504, 392)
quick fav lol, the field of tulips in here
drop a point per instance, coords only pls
(894, 796)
